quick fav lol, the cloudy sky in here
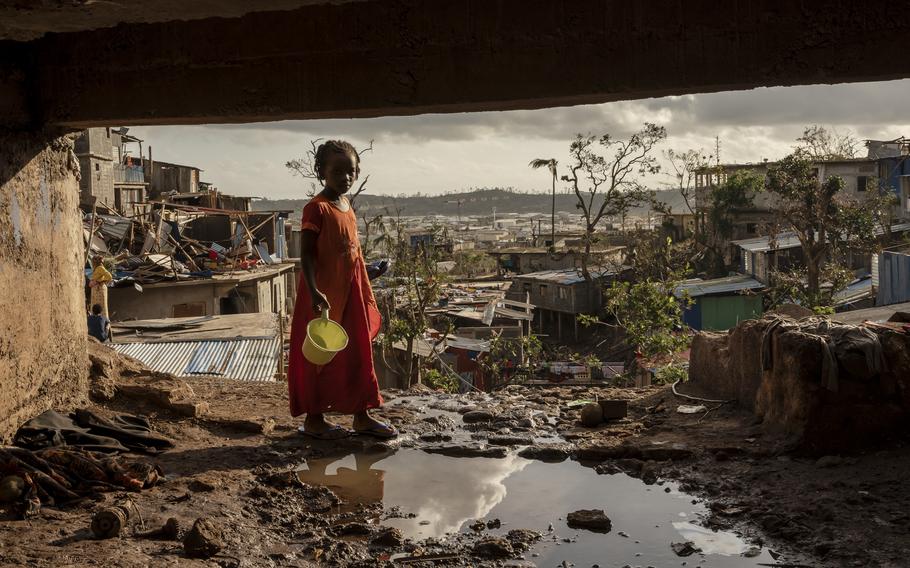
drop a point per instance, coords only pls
(450, 152)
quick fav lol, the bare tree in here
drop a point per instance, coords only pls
(686, 165)
(305, 167)
(605, 176)
(820, 143)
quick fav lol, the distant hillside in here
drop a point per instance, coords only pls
(473, 203)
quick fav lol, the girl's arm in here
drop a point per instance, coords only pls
(307, 256)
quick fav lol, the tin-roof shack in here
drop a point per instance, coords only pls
(246, 347)
(720, 303)
(266, 290)
(560, 295)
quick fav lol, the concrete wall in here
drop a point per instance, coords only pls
(43, 361)
(95, 151)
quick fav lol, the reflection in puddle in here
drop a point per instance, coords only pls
(445, 494)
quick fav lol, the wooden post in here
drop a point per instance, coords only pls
(559, 324)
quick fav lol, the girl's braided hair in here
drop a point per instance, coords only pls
(332, 147)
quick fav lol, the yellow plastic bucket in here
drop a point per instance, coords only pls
(324, 338)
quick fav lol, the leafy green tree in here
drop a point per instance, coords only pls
(416, 284)
(827, 223)
(650, 314)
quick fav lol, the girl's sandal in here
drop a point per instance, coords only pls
(383, 431)
(334, 432)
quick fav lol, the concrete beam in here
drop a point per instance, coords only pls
(395, 57)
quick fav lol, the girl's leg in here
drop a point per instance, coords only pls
(317, 424)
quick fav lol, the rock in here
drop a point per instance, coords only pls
(829, 461)
(591, 415)
(204, 540)
(354, 529)
(468, 451)
(493, 547)
(594, 520)
(665, 453)
(190, 409)
(477, 526)
(650, 472)
(12, 487)
(388, 537)
(687, 548)
(201, 486)
(522, 539)
(599, 453)
(752, 552)
(474, 416)
(435, 437)
(547, 452)
(614, 409)
(510, 440)
(494, 524)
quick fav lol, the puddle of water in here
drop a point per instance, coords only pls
(446, 494)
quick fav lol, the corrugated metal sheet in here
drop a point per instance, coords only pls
(790, 240)
(893, 278)
(854, 292)
(730, 284)
(241, 359)
(564, 277)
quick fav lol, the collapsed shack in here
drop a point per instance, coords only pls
(827, 386)
(168, 241)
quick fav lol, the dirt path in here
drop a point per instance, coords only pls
(232, 465)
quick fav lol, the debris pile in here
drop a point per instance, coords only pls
(167, 241)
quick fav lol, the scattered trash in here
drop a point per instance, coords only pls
(110, 521)
(169, 531)
(691, 409)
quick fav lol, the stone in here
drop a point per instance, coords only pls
(204, 540)
(388, 537)
(493, 547)
(474, 416)
(665, 453)
(614, 409)
(591, 415)
(471, 450)
(687, 548)
(829, 461)
(510, 440)
(594, 520)
(190, 409)
(354, 529)
(547, 452)
(522, 539)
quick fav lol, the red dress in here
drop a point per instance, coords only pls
(348, 384)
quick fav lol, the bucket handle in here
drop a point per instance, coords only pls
(325, 314)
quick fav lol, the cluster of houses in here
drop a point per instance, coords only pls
(199, 283)
(881, 278)
(193, 281)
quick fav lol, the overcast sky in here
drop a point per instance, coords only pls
(450, 152)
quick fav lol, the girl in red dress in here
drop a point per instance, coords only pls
(335, 279)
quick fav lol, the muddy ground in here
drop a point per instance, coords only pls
(233, 462)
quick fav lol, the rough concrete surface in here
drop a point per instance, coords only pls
(793, 397)
(390, 57)
(43, 361)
